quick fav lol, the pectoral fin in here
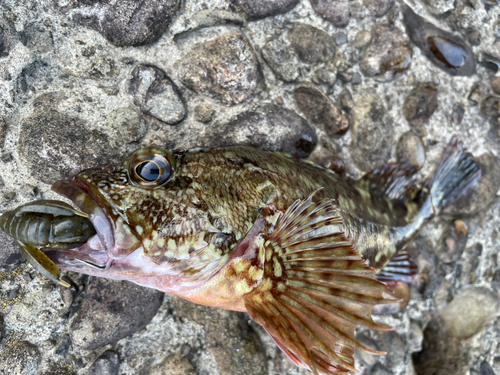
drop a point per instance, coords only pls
(316, 289)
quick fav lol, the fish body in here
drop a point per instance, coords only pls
(303, 250)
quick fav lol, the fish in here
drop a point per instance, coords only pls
(305, 251)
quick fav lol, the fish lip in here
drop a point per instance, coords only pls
(80, 194)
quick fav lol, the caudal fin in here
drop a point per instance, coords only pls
(456, 175)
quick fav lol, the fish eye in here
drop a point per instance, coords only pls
(151, 168)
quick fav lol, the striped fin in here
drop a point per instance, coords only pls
(400, 268)
(316, 289)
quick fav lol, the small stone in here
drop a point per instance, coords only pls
(372, 135)
(281, 59)
(8, 37)
(156, 94)
(185, 350)
(410, 149)
(362, 39)
(470, 311)
(68, 294)
(340, 38)
(335, 11)
(258, 9)
(415, 338)
(320, 110)
(271, 127)
(346, 101)
(103, 68)
(458, 114)
(356, 79)
(127, 125)
(10, 255)
(327, 77)
(388, 54)
(3, 132)
(21, 358)
(112, 310)
(333, 163)
(475, 95)
(420, 104)
(38, 37)
(225, 69)
(379, 7)
(54, 145)
(344, 76)
(491, 106)
(484, 193)
(455, 241)
(311, 44)
(64, 345)
(108, 363)
(125, 22)
(439, 7)
(443, 49)
(474, 38)
(204, 112)
(495, 85)
(174, 364)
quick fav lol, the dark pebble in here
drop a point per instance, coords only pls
(112, 310)
(420, 104)
(484, 193)
(380, 7)
(490, 106)
(490, 61)
(474, 38)
(486, 369)
(320, 110)
(125, 22)
(107, 364)
(372, 135)
(334, 163)
(54, 145)
(458, 114)
(204, 112)
(340, 38)
(495, 85)
(225, 69)
(311, 44)
(64, 345)
(156, 95)
(388, 54)
(335, 11)
(346, 101)
(443, 49)
(3, 132)
(281, 59)
(258, 9)
(410, 149)
(10, 255)
(8, 37)
(271, 127)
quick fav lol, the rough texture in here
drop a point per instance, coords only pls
(112, 310)
(311, 44)
(257, 9)
(335, 11)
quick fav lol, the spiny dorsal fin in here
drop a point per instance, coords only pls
(316, 289)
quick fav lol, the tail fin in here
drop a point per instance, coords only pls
(456, 175)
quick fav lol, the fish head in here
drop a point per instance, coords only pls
(162, 213)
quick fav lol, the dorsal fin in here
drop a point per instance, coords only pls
(316, 289)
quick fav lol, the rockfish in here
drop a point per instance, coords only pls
(306, 252)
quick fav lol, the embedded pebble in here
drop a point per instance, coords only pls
(332, 162)
(362, 39)
(410, 149)
(388, 54)
(20, 358)
(225, 69)
(125, 22)
(311, 44)
(257, 9)
(8, 37)
(208, 18)
(420, 104)
(458, 114)
(445, 50)
(335, 11)
(320, 110)
(474, 38)
(484, 193)
(482, 306)
(174, 364)
(270, 127)
(371, 131)
(127, 125)
(112, 310)
(379, 7)
(54, 145)
(156, 94)
(281, 59)
(108, 363)
(340, 38)
(495, 85)
(204, 112)
(490, 106)
(345, 100)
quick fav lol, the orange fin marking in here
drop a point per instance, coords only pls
(316, 289)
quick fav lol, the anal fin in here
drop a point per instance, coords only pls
(400, 268)
(316, 289)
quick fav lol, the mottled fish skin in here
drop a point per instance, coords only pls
(252, 230)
